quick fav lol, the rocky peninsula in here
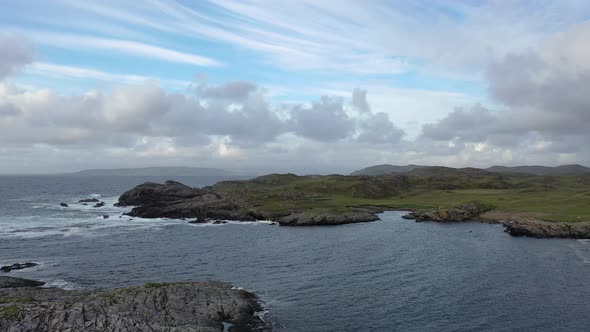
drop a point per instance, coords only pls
(526, 204)
(176, 200)
(180, 306)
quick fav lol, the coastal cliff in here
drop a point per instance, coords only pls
(182, 306)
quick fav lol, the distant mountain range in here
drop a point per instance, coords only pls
(155, 171)
(422, 170)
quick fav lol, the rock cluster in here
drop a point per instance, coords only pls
(185, 306)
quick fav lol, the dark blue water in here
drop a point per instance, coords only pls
(388, 275)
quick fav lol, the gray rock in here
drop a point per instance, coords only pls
(63, 205)
(17, 266)
(541, 229)
(100, 204)
(460, 213)
(12, 282)
(186, 306)
(88, 200)
(323, 219)
(176, 200)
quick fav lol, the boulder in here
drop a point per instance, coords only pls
(63, 205)
(100, 204)
(17, 266)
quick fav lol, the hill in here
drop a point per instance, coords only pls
(542, 170)
(155, 171)
(386, 169)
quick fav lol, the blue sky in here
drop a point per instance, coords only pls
(416, 62)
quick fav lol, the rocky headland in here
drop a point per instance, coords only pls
(176, 200)
(312, 200)
(181, 306)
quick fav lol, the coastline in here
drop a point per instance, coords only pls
(233, 201)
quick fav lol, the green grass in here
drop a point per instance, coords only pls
(16, 300)
(9, 312)
(564, 198)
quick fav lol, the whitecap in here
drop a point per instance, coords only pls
(60, 283)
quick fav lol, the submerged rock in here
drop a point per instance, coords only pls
(100, 204)
(63, 205)
(88, 200)
(185, 306)
(17, 266)
(12, 282)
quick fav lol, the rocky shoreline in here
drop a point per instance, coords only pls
(178, 201)
(180, 306)
(199, 205)
(515, 223)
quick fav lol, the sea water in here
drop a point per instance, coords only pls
(389, 275)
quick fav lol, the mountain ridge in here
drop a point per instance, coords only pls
(154, 171)
(384, 169)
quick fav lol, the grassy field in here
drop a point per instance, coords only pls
(564, 198)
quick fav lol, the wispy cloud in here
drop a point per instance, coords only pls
(55, 70)
(122, 46)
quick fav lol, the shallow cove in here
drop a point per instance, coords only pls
(390, 274)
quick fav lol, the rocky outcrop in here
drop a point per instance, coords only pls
(176, 200)
(542, 229)
(185, 306)
(17, 266)
(324, 219)
(88, 200)
(11, 282)
(459, 213)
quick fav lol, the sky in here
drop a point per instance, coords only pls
(303, 86)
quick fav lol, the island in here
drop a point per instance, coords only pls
(554, 204)
(177, 306)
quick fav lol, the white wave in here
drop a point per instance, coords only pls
(60, 283)
(85, 220)
(233, 222)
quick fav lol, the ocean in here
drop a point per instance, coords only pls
(389, 275)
